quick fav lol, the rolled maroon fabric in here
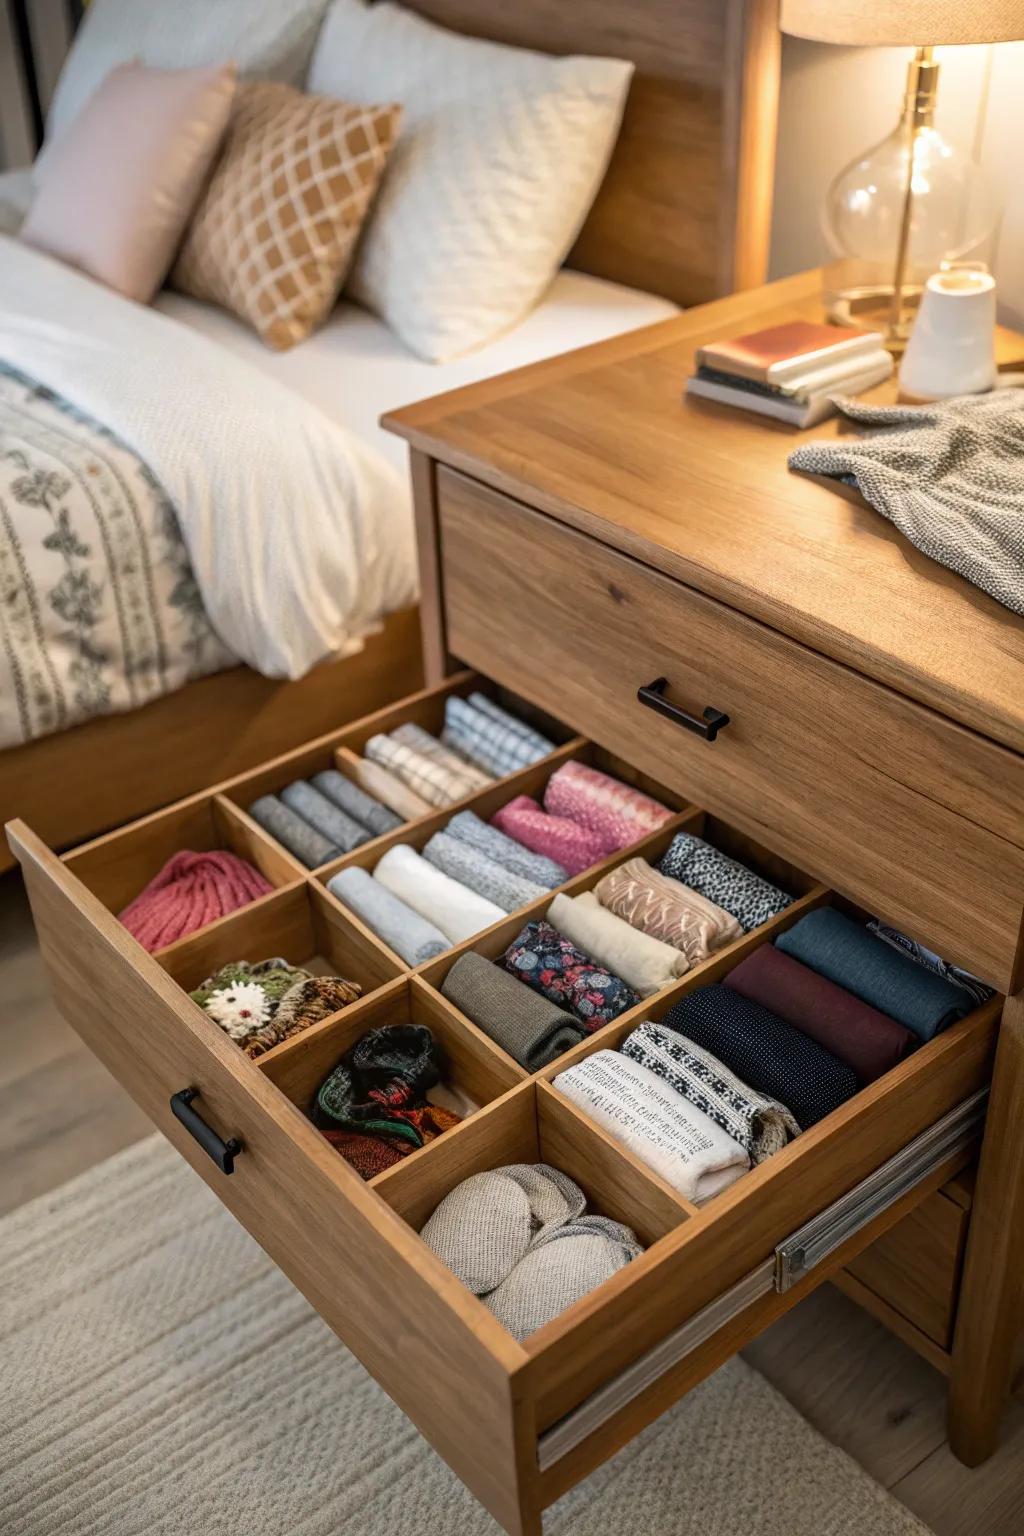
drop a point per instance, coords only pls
(868, 1041)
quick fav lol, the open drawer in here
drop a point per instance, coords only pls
(519, 1422)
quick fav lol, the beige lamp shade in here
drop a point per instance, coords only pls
(904, 23)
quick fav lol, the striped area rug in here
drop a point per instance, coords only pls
(159, 1377)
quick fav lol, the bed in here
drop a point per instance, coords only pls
(682, 216)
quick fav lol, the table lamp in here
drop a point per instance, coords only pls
(898, 212)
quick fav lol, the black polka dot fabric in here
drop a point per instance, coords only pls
(766, 1052)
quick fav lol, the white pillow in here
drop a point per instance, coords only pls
(266, 39)
(500, 156)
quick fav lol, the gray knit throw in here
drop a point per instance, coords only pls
(951, 478)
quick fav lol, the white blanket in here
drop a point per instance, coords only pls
(298, 534)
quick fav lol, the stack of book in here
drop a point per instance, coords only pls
(790, 371)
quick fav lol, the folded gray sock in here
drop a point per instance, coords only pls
(471, 868)
(308, 845)
(404, 930)
(330, 820)
(468, 827)
(359, 805)
(524, 1023)
(558, 1271)
(484, 1226)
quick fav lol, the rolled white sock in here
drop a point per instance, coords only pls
(644, 963)
(458, 912)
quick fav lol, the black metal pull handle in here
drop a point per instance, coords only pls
(222, 1152)
(708, 725)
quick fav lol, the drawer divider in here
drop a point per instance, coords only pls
(802, 1251)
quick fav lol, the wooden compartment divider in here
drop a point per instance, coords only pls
(336, 1236)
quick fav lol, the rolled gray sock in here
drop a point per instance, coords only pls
(408, 934)
(328, 819)
(469, 828)
(356, 802)
(474, 869)
(308, 845)
(524, 1023)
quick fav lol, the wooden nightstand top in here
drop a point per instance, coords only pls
(603, 440)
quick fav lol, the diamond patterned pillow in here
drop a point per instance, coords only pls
(274, 233)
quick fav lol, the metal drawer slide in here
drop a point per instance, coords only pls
(792, 1259)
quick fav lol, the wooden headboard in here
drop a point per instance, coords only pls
(685, 208)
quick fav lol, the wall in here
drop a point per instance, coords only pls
(837, 102)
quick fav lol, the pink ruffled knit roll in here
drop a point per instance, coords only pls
(191, 890)
(568, 843)
(615, 812)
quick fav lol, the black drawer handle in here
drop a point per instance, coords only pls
(707, 726)
(222, 1152)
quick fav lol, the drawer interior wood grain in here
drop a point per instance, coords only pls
(486, 1401)
(895, 806)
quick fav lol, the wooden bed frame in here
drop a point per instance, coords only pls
(684, 212)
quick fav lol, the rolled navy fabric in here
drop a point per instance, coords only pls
(704, 868)
(356, 802)
(761, 1125)
(531, 1029)
(392, 920)
(847, 954)
(335, 824)
(765, 1052)
(481, 874)
(858, 1034)
(468, 828)
(293, 832)
(545, 960)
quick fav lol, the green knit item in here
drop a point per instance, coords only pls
(275, 977)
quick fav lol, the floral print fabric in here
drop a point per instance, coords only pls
(99, 608)
(546, 961)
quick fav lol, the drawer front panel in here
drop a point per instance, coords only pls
(409, 1321)
(909, 815)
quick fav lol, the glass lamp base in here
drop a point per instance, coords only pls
(869, 305)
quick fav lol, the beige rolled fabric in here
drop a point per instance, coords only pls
(667, 910)
(643, 963)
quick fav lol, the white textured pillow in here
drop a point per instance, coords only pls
(501, 154)
(267, 39)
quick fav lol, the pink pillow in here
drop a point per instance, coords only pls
(117, 188)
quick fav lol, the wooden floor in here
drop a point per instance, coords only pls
(60, 1112)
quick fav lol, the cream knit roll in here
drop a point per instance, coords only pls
(458, 912)
(656, 1123)
(389, 790)
(666, 909)
(643, 963)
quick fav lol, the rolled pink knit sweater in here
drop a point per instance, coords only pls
(615, 812)
(569, 844)
(191, 890)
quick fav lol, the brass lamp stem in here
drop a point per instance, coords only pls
(918, 114)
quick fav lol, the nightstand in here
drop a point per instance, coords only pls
(580, 520)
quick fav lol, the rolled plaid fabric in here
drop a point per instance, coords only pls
(489, 736)
(432, 781)
(414, 736)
